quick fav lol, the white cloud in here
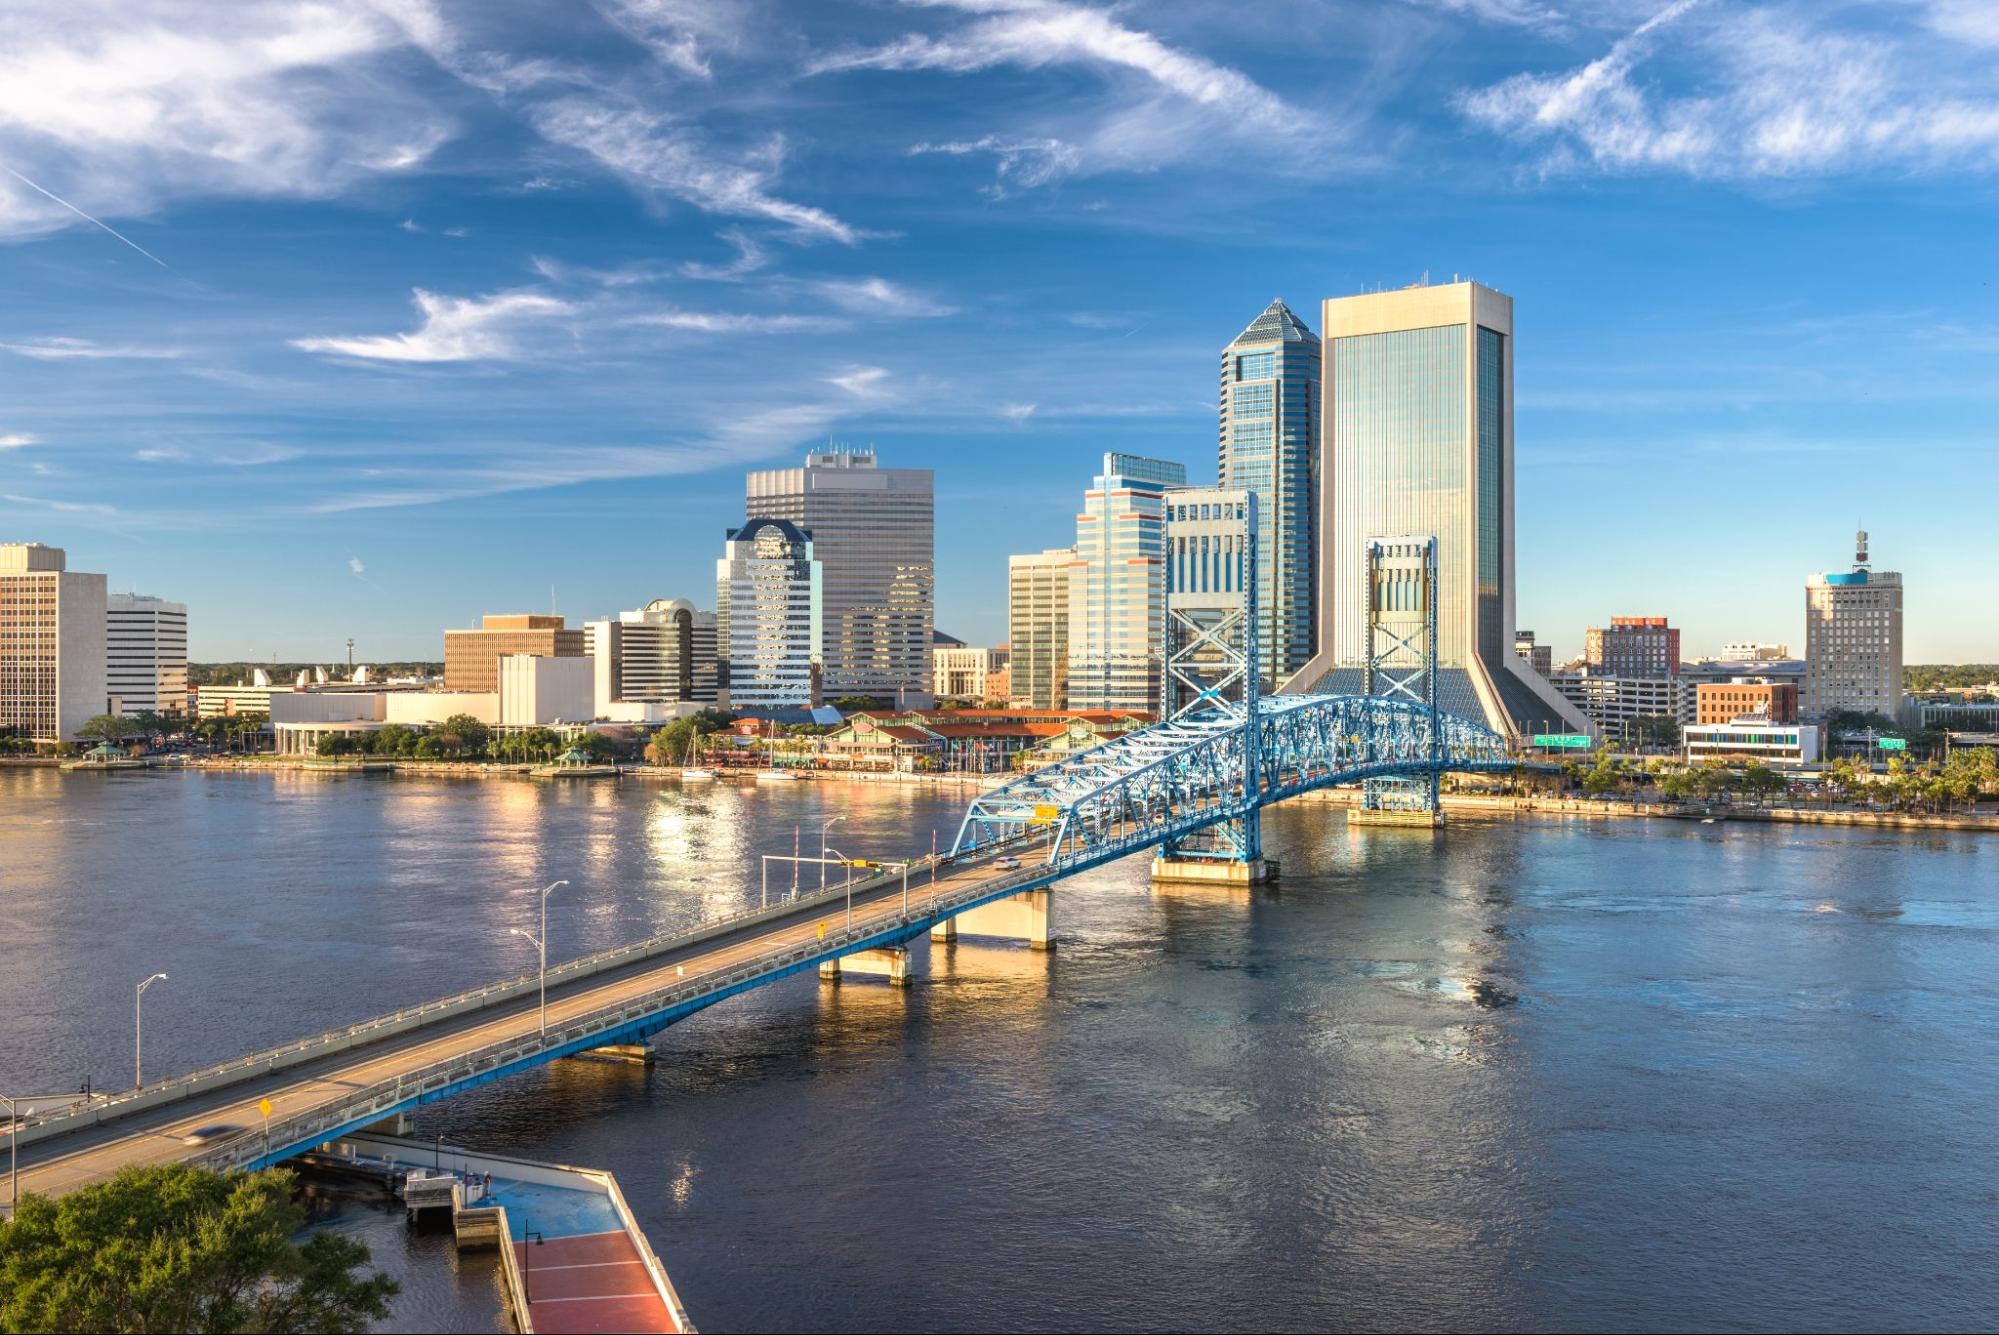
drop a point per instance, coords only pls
(1777, 91)
(1016, 412)
(678, 32)
(15, 440)
(1184, 102)
(862, 381)
(729, 322)
(354, 565)
(120, 106)
(879, 296)
(68, 349)
(750, 257)
(661, 156)
(161, 454)
(454, 329)
(65, 507)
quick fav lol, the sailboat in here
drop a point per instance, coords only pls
(690, 770)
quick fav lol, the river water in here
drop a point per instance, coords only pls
(1526, 1074)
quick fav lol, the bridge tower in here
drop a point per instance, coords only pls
(1213, 677)
(1400, 595)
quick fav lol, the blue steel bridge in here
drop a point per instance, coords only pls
(1172, 786)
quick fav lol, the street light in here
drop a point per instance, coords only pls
(824, 826)
(849, 865)
(541, 946)
(541, 952)
(13, 1157)
(139, 1028)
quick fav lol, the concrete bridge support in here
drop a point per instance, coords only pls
(1213, 871)
(1028, 916)
(890, 962)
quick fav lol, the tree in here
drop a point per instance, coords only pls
(597, 746)
(178, 1248)
(461, 735)
(109, 728)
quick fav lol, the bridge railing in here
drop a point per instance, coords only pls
(683, 994)
(175, 1088)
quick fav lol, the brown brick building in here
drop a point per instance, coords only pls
(472, 657)
(1722, 702)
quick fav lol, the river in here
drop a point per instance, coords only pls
(1534, 1074)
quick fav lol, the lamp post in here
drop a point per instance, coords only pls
(541, 952)
(541, 948)
(13, 1157)
(139, 1029)
(849, 864)
(824, 826)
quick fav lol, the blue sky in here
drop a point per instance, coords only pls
(363, 319)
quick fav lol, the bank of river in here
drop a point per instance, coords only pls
(1558, 1073)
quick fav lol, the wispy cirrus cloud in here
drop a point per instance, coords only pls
(1778, 91)
(83, 349)
(14, 440)
(875, 295)
(735, 322)
(116, 107)
(454, 329)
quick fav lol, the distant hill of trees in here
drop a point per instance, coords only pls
(227, 674)
(1937, 676)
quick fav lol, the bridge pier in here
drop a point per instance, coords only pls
(1410, 818)
(890, 962)
(632, 1054)
(1028, 916)
(944, 930)
(1168, 869)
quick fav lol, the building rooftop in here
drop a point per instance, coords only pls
(1277, 324)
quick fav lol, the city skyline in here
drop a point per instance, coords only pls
(523, 325)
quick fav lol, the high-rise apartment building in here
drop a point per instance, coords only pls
(1853, 640)
(1270, 447)
(472, 657)
(1037, 616)
(659, 654)
(1633, 647)
(1117, 587)
(769, 595)
(874, 533)
(1417, 441)
(51, 644)
(145, 653)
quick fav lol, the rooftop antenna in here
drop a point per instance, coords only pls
(350, 655)
(551, 600)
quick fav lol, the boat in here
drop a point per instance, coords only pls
(776, 776)
(696, 772)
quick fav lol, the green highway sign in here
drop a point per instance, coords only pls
(1572, 741)
(1891, 743)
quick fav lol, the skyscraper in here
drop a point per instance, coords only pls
(1117, 586)
(874, 532)
(1418, 442)
(659, 654)
(1037, 618)
(769, 595)
(1270, 447)
(1853, 640)
(1209, 533)
(145, 653)
(51, 644)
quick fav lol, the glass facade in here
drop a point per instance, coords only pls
(768, 605)
(1270, 447)
(1117, 586)
(1401, 469)
(1493, 502)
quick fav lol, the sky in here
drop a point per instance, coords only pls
(361, 319)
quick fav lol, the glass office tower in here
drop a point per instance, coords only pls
(1270, 447)
(1418, 442)
(1117, 586)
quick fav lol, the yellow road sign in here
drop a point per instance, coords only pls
(822, 931)
(264, 1107)
(1046, 813)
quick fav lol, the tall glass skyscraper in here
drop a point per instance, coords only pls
(1117, 586)
(1270, 447)
(1418, 442)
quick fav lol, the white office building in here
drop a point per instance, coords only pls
(769, 600)
(1117, 586)
(1853, 640)
(874, 536)
(52, 663)
(653, 662)
(1037, 622)
(145, 654)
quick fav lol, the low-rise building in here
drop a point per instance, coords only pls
(1540, 657)
(962, 672)
(1753, 739)
(538, 690)
(472, 657)
(1724, 702)
(1639, 647)
(1613, 701)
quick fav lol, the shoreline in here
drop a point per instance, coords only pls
(1498, 804)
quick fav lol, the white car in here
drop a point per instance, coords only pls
(1008, 864)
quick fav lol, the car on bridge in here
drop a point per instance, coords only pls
(208, 1135)
(1008, 864)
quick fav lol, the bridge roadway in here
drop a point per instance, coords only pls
(315, 1097)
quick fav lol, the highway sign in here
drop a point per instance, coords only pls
(1571, 741)
(1891, 743)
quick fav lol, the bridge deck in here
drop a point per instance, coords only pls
(618, 1005)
